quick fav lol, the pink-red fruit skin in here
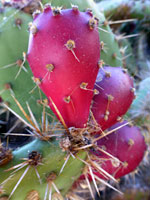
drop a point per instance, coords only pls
(67, 75)
(116, 94)
(127, 144)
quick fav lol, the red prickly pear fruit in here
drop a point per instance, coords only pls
(64, 51)
(126, 144)
(115, 96)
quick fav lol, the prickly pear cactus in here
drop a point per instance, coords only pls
(17, 26)
(64, 55)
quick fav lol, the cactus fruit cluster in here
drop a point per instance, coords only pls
(74, 59)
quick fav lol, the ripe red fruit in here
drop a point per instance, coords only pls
(126, 144)
(63, 53)
(116, 94)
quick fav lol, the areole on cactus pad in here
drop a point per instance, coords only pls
(63, 53)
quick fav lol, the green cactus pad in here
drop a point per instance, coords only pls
(52, 161)
(128, 55)
(141, 105)
(13, 42)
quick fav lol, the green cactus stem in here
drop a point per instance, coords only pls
(125, 9)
